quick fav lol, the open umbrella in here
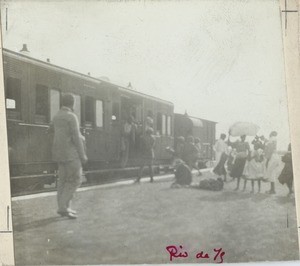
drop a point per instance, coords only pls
(243, 128)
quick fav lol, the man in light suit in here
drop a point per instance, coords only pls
(68, 151)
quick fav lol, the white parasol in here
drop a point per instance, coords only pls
(243, 128)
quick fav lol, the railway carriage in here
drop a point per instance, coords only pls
(33, 90)
(203, 129)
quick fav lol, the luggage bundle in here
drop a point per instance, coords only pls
(212, 184)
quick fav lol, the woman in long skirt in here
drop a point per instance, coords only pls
(286, 176)
(242, 150)
(272, 166)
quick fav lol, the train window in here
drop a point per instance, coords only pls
(169, 125)
(99, 113)
(139, 113)
(54, 102)
(41, 103)
(13, 98)
(77, 107)
(159, 123)
(89, 111)
(115, 112)
(163, 128)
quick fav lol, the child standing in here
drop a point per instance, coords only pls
(254, 169)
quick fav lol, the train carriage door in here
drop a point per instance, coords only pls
(164, 131)
(94, 127)
(132, 106)
(114, 132)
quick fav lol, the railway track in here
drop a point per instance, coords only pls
(33, 184)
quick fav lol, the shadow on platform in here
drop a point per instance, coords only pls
(36, 224)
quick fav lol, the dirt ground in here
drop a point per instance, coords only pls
(135, 224)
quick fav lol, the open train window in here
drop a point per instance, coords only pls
(99, 113)
(169, 125)
(54, 102)
(77, 107)
(41, 104)
(13, 98)
(164, 123)
(159, 123)
(89, 111)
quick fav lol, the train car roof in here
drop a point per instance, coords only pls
(49, 65)
(195, 119)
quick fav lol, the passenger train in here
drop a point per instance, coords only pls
(33, 90)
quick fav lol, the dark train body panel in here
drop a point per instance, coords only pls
(205, 130)
(33, 89)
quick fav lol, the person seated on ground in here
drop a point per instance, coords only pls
(183, 174)
(286, 176)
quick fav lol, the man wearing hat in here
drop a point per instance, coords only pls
(147, 155)
(69, 153)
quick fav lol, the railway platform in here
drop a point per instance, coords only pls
(134, 223)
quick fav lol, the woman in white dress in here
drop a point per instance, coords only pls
(272, 165)
(254, 168)
(219, 148)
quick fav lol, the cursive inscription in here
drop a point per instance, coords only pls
(179, 252)
(175, 252)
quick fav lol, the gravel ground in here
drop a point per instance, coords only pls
(135, 224)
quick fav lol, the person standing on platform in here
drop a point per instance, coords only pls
(127, 140)
(272, 162)
(68, 151)
(147, 156)
(286, 176)
(220, 147)
(242, 151)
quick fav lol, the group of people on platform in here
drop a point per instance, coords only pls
(131, 136)
(132, 141)
(233, 158)
(187, 156)
(262, 163)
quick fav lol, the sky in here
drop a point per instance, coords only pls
(217, 60)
